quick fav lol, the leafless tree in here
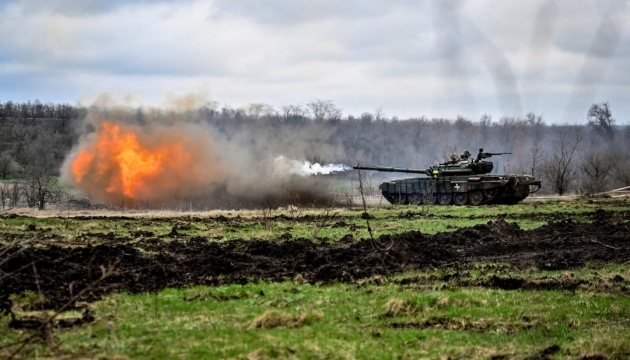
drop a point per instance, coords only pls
(3, 113)
(536, 159)
(9, 109)
(292, 112)
(39, 109)
(600, 118)
(533, 119)
(257, 110)
(508, 131)
(39, 173)
(16, 193)
(367, 118)
(5, 194)
(595, 167)
(6, 161)
(560, 170)
(324, 110)
(379, 114)
(621, 170)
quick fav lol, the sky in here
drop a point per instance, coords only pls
(429, 58)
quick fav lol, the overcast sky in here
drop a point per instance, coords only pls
(412, 58)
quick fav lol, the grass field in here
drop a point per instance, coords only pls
(420, 315)
(75, 228)
(484, 311)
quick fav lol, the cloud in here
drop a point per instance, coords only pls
(77, 8)
(438, 59)
(288, 13)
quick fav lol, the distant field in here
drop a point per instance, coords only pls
(546, 279)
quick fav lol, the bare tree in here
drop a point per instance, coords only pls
(324, 110)
(292, 112)
(257, 110)
(5, 194)
(379, 114)
(6, 161)
(508, 131)
(559, 168)
(621, 174)
(367, 118)
(600, 118)
(39, 173)
(536, 159)
(16, 193)
(595, 167)
(534, 120)
(3, 113)
(9, 109)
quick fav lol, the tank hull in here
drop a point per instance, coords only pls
(460, 190)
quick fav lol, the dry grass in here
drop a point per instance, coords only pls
(166, 213)
(127, 213)
(272, 319)
(397, 307)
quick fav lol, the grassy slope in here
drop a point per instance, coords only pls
(420, 315)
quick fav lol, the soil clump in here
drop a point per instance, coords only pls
(151, 264)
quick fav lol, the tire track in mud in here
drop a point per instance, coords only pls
(151, 264)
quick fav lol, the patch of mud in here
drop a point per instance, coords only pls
(546, 353)
(459, 324)
(457, 279)
(151, 265)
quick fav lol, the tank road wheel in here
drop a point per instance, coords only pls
(445, 199)
(475, 198)
(460, 198)
(415, 199)
(490, 194)
(429, 199)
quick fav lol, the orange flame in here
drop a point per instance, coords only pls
(126, 162)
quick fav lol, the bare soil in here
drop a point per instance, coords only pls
(60, 272)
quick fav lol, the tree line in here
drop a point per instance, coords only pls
(587, 158)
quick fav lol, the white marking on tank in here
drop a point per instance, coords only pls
(457, 186)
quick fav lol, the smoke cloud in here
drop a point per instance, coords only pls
(158, 158)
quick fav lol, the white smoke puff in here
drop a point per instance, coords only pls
(283, 166)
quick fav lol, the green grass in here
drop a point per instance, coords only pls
(331, 224)
(432, 314)
(378, 318)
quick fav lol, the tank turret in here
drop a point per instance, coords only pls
(460, 181)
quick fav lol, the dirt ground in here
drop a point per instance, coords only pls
(59, 273)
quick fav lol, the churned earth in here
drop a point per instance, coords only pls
(59, 272)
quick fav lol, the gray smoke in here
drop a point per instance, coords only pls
(251, 165)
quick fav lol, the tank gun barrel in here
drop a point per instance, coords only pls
(393, 169)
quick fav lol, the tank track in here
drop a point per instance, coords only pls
(473, 198)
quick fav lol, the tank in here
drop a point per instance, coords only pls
(462, 181)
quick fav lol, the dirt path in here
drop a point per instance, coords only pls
(151, 264)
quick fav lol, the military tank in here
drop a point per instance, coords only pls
(463, 180)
